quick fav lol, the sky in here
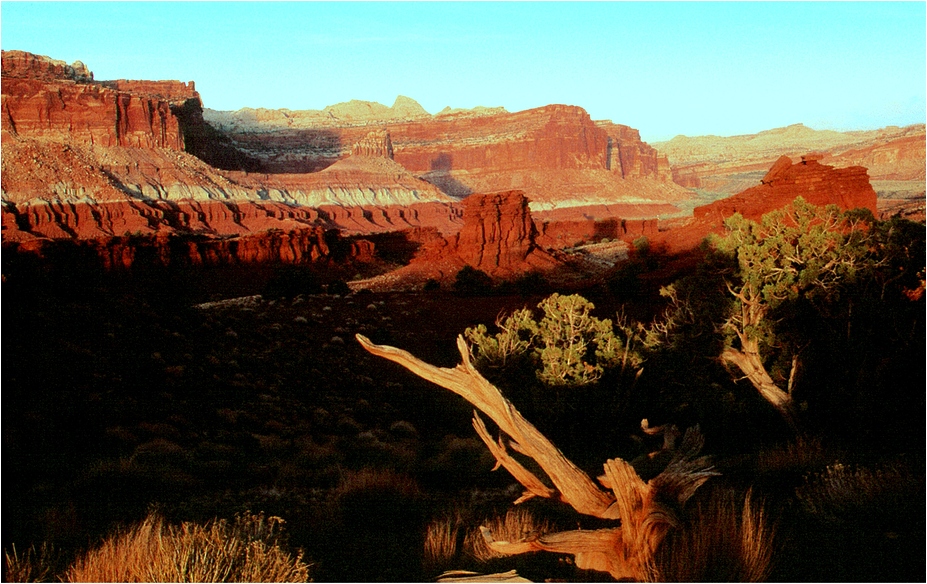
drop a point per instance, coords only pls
(665, 68)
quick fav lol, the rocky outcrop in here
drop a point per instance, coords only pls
(816, 183)
(376, 144)
(894, 156)
(498, 233)
(23, 65)
(498, 237)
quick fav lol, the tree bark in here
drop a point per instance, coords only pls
(647, 510)
(748, 360)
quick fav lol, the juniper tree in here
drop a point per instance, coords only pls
(800, 252)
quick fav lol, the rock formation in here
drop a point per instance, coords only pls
(498, 237)
(631, 156)
(895, 158)
(23, 65)
(87, 114)
(368, 177)
(818, 184)
(309, 245)
(556, 153)
(376, 144)
(85, 159)
(569, 233)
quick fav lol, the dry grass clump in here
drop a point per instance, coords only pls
(442, 543)
(153, 551)
(374, 480)
(454, 541)
(32, 565)
(518, 524)
(726, 539)
(842, 490)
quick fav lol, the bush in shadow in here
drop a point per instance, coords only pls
(472, 282)
(379, 534)
(290, 281)
(339, 287)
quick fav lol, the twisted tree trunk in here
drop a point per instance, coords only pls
(646, 510)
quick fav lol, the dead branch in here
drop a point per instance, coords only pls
(574, 486)
(647, 510)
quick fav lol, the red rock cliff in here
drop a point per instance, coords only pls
(632, 157)
(43, 98)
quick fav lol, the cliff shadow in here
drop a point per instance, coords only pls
(317, 148)
(441, 177)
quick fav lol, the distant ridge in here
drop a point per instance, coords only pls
(795, 139)
(353, 112)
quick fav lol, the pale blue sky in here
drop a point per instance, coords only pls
(664, 68)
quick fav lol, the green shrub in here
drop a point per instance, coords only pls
(572, 348)
(575, 347)
(516, 335)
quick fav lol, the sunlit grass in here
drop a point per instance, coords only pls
(154, 551)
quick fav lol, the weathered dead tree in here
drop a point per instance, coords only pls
(643, 511)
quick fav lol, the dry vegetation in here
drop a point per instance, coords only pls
(120, 398)
(246, 550)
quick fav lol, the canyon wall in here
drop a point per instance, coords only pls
(556, 154)
(45, 99)
(85, 159)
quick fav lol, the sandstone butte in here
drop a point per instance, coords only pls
(817, 183)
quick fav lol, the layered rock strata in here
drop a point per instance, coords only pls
(498, 237)
(80, 221)
(816, 183)
(85, 159)
(557, 154)
(723, 166)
